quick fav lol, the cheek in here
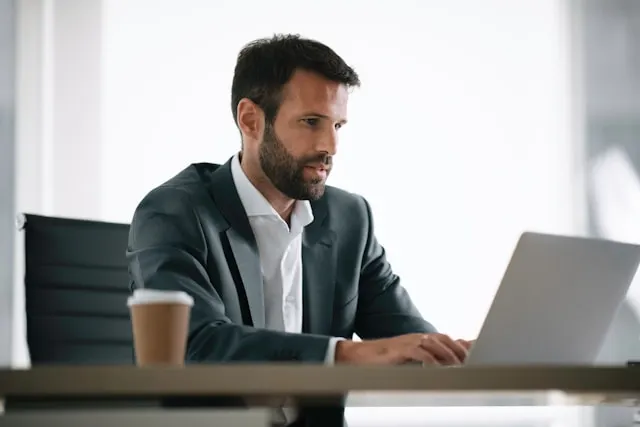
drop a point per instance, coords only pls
(298, 142)
(297, 139)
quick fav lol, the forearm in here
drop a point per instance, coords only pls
(236, 343)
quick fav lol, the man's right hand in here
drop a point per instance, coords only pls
(434, 349)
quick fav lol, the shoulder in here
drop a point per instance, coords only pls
(347, 212)
(342, 201)
(168, 213)
(180, 193)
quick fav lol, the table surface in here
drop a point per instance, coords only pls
(308, 380)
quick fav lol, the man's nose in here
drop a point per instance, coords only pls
(328, 143)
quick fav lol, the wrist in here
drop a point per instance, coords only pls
(345, 351)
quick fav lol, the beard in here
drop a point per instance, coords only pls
(286, 172)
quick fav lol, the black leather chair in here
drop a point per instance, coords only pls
(76, 287)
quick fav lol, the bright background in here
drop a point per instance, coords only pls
(475, 122)
(459, 136)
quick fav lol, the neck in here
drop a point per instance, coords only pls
(282, 204)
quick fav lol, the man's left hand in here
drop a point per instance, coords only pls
(467, 343)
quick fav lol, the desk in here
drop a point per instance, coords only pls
(95, 388)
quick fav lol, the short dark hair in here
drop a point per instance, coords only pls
(265, 65)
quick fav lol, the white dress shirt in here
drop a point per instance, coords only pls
(280, 250)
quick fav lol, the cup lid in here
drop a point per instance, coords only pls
(156, 296)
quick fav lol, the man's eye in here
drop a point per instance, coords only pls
(311, 122)
(338, 126)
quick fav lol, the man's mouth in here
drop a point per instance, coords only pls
(319, 171)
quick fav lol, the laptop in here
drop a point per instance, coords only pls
(556, 301)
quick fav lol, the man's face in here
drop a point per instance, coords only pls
(296, 152)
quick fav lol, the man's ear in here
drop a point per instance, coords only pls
(250, 119)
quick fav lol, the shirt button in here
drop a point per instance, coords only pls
(290, 299)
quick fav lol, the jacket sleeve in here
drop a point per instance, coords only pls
(385, 309)
(167, 250)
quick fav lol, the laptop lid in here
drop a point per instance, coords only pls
(556, 301)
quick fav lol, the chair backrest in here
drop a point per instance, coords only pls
(76, 287)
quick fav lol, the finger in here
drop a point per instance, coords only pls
(466, 344)
(419, 354)
(457, 347)
(440, 350)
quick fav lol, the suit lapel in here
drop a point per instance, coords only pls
(318, 255)
(318, 271)
(248, 261)
(241, 240)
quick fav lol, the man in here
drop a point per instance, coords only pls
(281, 267)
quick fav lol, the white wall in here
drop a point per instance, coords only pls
(460, 136)
(59, 117)
(7, 176)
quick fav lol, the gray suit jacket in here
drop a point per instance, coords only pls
(192, 234)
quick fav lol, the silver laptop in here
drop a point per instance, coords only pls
(556, 301)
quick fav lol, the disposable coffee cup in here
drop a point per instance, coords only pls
(160, 324)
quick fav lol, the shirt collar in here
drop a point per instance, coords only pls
(256, 205)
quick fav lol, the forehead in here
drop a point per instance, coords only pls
(311, 91)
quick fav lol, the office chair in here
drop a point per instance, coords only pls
(76, 287)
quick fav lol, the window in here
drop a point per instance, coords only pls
(459, 136)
